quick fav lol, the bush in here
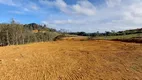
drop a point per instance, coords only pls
(59, 37)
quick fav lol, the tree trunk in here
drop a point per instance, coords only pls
(7, 36)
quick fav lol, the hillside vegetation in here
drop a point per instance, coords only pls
(14, 34)
(134, 35)
(137, 32)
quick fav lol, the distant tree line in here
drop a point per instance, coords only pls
(108, 33)
(15, 34)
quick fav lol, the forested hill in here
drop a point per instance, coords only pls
(131, 31)
(14, 34)
(34, 26)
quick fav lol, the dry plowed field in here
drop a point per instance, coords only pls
(72, 60)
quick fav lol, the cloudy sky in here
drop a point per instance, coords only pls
(75, 15)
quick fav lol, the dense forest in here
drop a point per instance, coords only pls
(14, 34)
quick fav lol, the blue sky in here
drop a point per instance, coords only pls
(75, 15)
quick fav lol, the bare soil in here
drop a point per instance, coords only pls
(72, 60)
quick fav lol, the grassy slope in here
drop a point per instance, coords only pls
(119, 37)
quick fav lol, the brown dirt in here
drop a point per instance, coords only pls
(72, 60)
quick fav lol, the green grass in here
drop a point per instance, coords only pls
(120, 37)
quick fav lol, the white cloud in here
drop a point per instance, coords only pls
(63, 22)
(60, 3)
(62, 6)
(7, 2)
(32, 6)
(133, 13)
(26, 9)
(16, 12)
(83, 7)
(116, 15)
(68, 21)
(112, 3)
(84, 15)
(19, 4)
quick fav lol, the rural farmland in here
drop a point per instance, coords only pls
(70, 39)
(72, 60)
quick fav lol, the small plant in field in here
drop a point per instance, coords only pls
(90, 38)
